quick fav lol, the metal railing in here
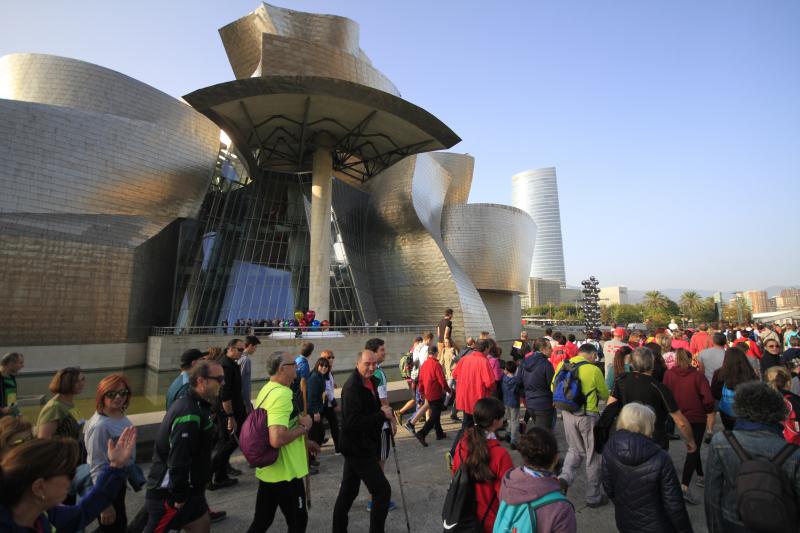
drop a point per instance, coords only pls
(329, 331)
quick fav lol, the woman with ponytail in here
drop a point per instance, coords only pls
(485, 460)
(35, 478)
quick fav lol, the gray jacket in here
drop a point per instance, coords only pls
(723, 466)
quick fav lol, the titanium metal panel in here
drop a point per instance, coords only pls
(492, 243)
(95, 166)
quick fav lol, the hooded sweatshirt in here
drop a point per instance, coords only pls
(536, 374)
(519, 487)
(691, 391)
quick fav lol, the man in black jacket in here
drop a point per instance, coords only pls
(231, 418)
(362, 419)
(175, 497)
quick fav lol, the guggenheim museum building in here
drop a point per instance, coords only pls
(305, 182)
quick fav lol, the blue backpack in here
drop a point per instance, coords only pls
(567, 392)
(522, 518)
(726, 403)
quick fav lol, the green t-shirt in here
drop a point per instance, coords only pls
(292, 462)
(66, 415)
(9, 392)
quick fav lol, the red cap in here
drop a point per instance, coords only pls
(619, 332)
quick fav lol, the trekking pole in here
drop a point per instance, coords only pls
(400, 482)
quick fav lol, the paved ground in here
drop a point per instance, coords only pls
(425, 479)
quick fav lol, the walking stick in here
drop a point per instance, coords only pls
(308, 463)
(400, 482)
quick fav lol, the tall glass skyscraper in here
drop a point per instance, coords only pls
(536, 193)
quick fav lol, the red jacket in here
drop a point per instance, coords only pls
(432, 384)
(558, 354)
(485, 492)
(754, 350)
(691, 391)
(474, 379)
(700, 341)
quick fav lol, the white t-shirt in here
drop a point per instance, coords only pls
(421, 354)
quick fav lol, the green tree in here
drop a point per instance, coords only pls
(691, 304)
(655, 300)
(626, 313)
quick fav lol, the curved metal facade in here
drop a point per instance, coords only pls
(283, 42)
(491, 244)
(536, 193)
(95, 167)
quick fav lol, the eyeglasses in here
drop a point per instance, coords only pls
(218, 379)
(112, 394)
(772, 346)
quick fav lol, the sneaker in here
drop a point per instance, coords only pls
(700, 482)
(222, 484)
(690, 498)
(455, 418)
(603, 501)
(563, 486)
(421, 439)
(410, 427)
(217, 516)
(234, 471)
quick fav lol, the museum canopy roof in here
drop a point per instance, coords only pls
(283, 119)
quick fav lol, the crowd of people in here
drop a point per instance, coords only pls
(621, 396)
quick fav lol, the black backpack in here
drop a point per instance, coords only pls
(458, 511)
(765, 499)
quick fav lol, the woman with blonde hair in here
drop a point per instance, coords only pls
(665, 341)
(639, 477)
(108, 422)
(781, 380)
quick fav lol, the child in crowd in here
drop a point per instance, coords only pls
(511, 387)
(530, 496)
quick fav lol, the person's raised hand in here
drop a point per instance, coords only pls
(119, 454)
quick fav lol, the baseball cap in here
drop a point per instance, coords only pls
(190, 356)
(619, 332)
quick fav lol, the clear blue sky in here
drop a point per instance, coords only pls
(674, 126)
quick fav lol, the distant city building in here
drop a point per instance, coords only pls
(758, 300)
(788, 299)
(543, 292)
(772, 303)
(614, 295)
(536, 193)
(570, 296)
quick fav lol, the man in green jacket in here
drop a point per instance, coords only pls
(579, 427)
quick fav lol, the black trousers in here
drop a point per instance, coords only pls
(223, 449)
(693, 463)
(355, 471)
(290, 496)
(120, 525)
(329, 414)
(435, 421)
(466, 422)
(727, 421)
(541, 419)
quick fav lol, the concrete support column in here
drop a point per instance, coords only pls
(319, 283)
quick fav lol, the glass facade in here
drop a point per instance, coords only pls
(246, 256)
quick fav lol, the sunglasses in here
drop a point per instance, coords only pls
(112, 394)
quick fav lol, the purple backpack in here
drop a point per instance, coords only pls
(254, 438)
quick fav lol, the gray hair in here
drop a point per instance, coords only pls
(642, 359)
(274, 362)
(10, 358)
(637, 418)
